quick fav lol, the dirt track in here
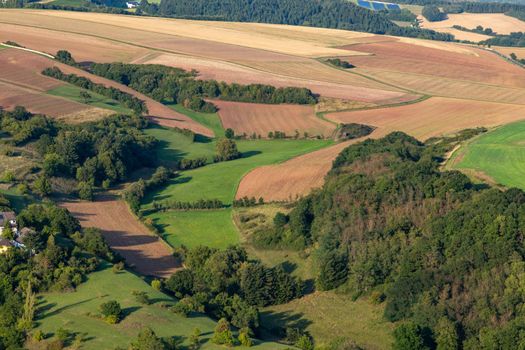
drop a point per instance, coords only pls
(126, 235)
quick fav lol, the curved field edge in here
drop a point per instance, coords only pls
(77, 311)
(496, 157)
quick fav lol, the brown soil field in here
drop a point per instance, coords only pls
(291, 179)
(519, 51)
(433, 117)
(474, 65)
(40, 103)
(257, 118)
(82, 47)
(147, 253)
(499, 22)
(21, 68)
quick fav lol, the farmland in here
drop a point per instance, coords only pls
(497, 157)
(499, 22)
(250, 118)
(77, 311)
(146, 253)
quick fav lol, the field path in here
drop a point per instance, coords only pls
(145, 252)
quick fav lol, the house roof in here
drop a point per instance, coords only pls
(7, 216)
(5, 243)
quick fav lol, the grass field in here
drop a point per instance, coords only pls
(214, 181)
(498, 156)
(76, 312)
(73, 93)
(328, 316)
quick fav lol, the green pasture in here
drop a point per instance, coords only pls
(498, 154)
(72, 92)
(77, 311)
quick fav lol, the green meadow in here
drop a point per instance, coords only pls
(72, 92)
(213, 181)
(78, 312)
(498, 155)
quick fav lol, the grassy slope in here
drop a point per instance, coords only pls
(214, 181)
(499, 154)
(73, 93)
(70, 311)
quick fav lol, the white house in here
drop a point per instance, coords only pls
(132, 4)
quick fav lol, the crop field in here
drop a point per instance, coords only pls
(497, 156)
(291, 179)
(234, 52)
(433, 117)
(76, 311)
(327, 314)
(472, 64)
(260, 119)
(126, 235)
(499, 22)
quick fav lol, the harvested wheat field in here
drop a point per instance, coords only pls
(260, 119)
(291, 179)
(499, 22)
(243, 74)
(434, 117)
(300, 41)
(473, 64)
(83, 48)
(147, 253)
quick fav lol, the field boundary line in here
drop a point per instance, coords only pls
(28, 50)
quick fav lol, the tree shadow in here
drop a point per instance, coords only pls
(202, 139)
(129, 310)
(274, 324)
(250, 154)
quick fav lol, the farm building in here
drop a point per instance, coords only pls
(378, 5)
(5, 245)
(132, 4)
(7, 218)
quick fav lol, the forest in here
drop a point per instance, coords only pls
(339, 14)
(92, 154)
(443, 254)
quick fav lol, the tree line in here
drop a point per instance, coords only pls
(443, 254)
(170, 84)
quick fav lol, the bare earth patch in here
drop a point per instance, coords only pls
(258, 118)
(147, 253)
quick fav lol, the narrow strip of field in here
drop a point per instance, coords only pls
(496, 157)
(126, 235)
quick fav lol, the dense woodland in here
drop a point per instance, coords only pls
(339, 14)
(433, 14)
(439, 251)
(93, 154)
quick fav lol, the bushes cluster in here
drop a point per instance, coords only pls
(433, 14)
(247, 202)
(354, 131)
(340, 63)
(226, 150)
(135, 192)
(128, 100)
(177, 205)
(187, 164)
(225, 284)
